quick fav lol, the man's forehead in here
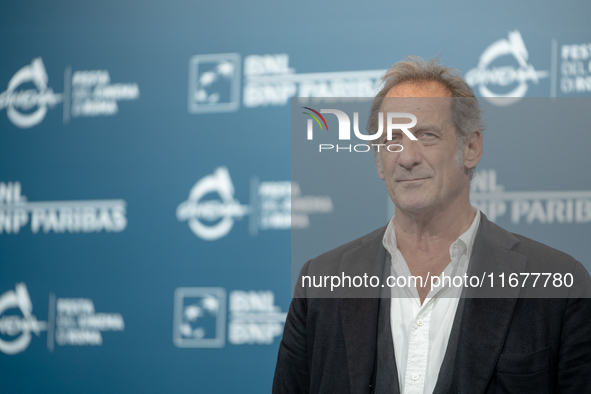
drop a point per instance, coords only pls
(415, 104)
(418, 89)
(423, 97)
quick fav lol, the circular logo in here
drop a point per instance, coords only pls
(14, 325)
(198, 212)
(19, 101)
(485, 77)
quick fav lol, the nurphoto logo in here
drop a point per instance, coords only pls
(345, 130)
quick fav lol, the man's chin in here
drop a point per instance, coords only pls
(413, 206)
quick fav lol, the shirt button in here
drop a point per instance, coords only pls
(415, 376)
(420, 323)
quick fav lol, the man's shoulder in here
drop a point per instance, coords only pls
(529, 246)
(538, 254)
(333, 257)
(360, 257)
(542, 255)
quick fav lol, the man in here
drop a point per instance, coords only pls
(429, 342)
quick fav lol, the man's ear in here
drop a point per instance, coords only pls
(379, 165)
(473, 150)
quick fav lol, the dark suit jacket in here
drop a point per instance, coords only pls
(500, 345)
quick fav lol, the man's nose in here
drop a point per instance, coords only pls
(411, 154)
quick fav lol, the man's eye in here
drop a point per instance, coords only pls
(428, 135)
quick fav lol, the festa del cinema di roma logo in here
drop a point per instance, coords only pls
(345, 130)
(19, 104)
(71, 322)
(226, 209)
(486, 77)
(15, 326)
(273, 205)
(87, 93)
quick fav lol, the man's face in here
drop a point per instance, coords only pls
(426, 175)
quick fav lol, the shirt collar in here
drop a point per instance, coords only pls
(463, 244)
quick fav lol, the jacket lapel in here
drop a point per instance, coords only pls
(360, 315)
(480, 325)
(485, 321)
(446, 377)
(386, 371)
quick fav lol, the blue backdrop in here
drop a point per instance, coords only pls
(145, 173)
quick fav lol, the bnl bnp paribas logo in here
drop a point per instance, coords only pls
(504, 74)
(545, 207)
(528, 207)
(268, 80)
(78, 216)
(87, 93)
(200, 317)
(70, 322)
(211, 209)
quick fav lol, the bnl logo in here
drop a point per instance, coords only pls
(214, 83)
(200, 317)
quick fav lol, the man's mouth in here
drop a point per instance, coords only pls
(412, 180)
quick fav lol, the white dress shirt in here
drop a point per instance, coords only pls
(420, 332)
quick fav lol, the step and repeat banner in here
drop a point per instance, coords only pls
(146, 193)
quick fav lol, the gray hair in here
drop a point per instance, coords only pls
(465, 111)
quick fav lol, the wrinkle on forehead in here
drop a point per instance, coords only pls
(419, 89)
(415, 104)
(429, 96)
